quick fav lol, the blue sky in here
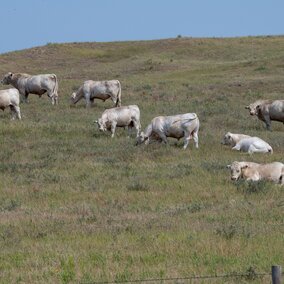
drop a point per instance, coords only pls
(28, 23)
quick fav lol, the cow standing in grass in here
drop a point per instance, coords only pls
(11, 98)
(125, 116)
(267, 110)
(103, 90)
(175, 126)
(33, 84)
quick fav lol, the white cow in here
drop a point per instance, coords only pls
(176, 126)
(232, 139)
(102, 90)
(246, 143)
(255, 172)
(29, 84)
(267, 110)
(124, 116)
(253, 145)
(11, 98)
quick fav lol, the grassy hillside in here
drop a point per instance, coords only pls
(78, 206)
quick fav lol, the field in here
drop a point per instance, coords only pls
(78, 206)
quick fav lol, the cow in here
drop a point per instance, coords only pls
(267, 110)
(176, 126)
(11, 98)
(255, 172)
(124, 116)
(102, 90)
(232, 139)
(246, 143)
(33, 84)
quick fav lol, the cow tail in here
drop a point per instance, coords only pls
(55, 89)
(118, 99)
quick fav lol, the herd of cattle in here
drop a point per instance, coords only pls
(160, 128)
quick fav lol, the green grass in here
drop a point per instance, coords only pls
(78, 206)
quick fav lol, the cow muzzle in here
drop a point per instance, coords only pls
(102, 129)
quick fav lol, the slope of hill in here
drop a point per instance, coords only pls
(77, 205)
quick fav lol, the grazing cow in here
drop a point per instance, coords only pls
(246, 143)
(11, 98)
(176, 126)
(102, 90)
(267, 110)
(255, 172)
(37, 84)
(124, 116)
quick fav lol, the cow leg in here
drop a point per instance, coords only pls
(137, 127)
(56, 100)
(252, 149)
(13, 112)
(88, 100)
(129, 130)
(114, 101)
(163, 137)
(52, 100)
(25, 97)
(267, 122)
(113, 126)
(17, 112)
(237, 147)
(186, 141)
(195, 139)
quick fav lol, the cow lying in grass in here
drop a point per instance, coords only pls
(255, 172)
(246, 143)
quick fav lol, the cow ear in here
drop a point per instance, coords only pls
(228, 166)
(245, 167)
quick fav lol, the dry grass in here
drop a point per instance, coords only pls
(78, 206)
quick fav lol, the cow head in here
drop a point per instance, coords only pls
(73, 98)
(141, 139)
(254, 108)
(101, 125)
(227, 139)
(7, 78)
(236, 169)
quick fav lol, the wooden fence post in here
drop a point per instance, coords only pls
(276, 274)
